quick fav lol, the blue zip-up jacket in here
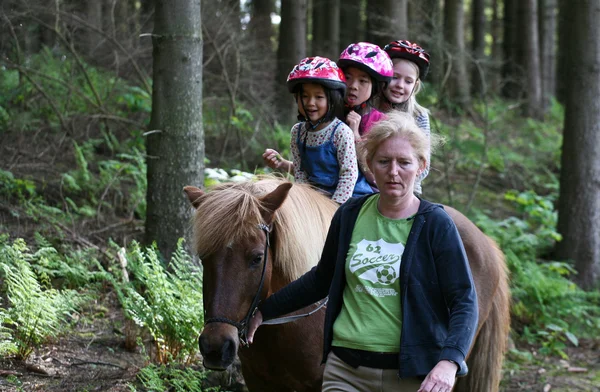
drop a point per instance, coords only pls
(439, 302)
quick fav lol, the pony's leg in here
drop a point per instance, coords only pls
(486, 356)
(257, 384)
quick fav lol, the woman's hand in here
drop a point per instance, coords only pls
(353, 121)
(253, 325)
(441, 378)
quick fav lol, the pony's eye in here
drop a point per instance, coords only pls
(256, 260)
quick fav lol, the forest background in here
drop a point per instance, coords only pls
(109, 107)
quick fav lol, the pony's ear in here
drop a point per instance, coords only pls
(274, 200)
(193, 195)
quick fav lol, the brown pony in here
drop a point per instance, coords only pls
(229, 240)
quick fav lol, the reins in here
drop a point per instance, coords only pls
(242, 326)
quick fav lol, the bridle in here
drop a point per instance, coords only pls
(242, 326)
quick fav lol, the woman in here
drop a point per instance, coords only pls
(402, 309)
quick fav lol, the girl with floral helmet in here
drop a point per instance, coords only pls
(367, 69)
(410, 66)
(322, 146)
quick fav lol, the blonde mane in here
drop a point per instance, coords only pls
(230, 212)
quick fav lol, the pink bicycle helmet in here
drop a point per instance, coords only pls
(369, 58)
(318, 70)
(404, 49)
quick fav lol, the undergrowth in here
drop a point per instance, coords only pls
(35, 311)
(167, 302)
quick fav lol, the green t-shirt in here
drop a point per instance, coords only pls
(371, 315)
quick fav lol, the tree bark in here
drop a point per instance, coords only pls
(530, 58)
(511, 78)
(579, 204)
(430, 36)
(457, 88)
(175, 144)
(496, 47)
(564, 40)
(387, 20)
(291, 49)
(260, 25)
(478, 24)
(547, 27)
(351, 27)
(326, 28)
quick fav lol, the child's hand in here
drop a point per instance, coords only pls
(272, 158)
(353, 121)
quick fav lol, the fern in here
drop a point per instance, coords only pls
(35, 313)
(167, 304)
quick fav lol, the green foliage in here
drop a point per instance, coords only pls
(76, 269)
(238, 138)
(68, 88)
(509, 150)
(7, 343)
(36, 312)
(548, 306)
(167, 303)
(166, 378)
(110, 180)
(12, 188)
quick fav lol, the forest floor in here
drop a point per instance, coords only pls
(93, 358)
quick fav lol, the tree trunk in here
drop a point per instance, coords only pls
(292, 49)
(547, 23)
(430, 37)
(457, 88)
(260, 25)
(326, 28)
(478, 74)
(530, 58)
(564, 41)
(175, 145)
(351, 26)
(579, 204)
(496, 47)
(510, 71)
(387, 21)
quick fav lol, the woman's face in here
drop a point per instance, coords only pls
(312, 102)
(358, 86)
(395, 167)
(403, 83)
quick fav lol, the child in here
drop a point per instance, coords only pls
(368, 69)
(411, 64)
(321, 144)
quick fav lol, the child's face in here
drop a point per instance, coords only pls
(312, 101)
(403, 83)
(358, 85)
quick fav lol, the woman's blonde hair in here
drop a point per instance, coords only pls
(398, 124)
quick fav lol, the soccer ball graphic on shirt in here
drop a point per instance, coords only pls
(377, 261)
(386, 274)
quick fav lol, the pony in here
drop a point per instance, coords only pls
(255, 237)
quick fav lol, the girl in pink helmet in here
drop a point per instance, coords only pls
(322, 146)
(367, 69)
(411, 64)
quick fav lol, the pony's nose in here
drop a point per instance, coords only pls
(217, 355)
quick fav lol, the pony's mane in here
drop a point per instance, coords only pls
(231, 212)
